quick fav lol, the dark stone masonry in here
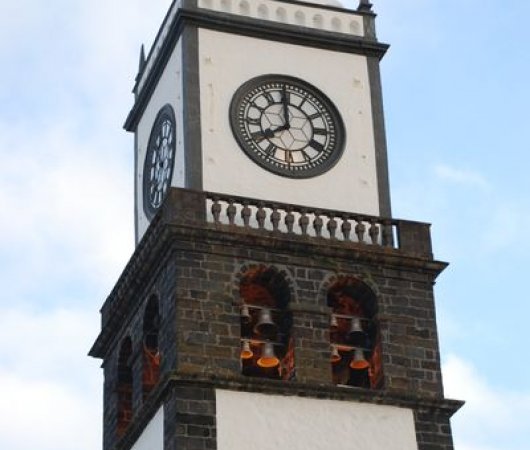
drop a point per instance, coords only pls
(194, 268)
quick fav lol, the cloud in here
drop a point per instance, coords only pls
(47, 416)
(68, 211)
(48, 386)
(460, 176)
(493, 418)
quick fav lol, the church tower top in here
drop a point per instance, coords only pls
(272, 300)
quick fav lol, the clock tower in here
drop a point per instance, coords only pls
(272, 301)
(258, 93)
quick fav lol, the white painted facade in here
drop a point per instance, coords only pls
(168, 90)
(226, 61)
(152, 437)
(271, 422)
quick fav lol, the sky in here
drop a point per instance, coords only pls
(456, 100)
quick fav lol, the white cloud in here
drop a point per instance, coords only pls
(493, 418)
(69, 210)
(48, 386)
(47, 416)
(66, 196)
(460, 176)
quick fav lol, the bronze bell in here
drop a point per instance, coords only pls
(357, 336)
(358, 361)
(246, 351)
(265, 325)
(333, 324)
(268, 358)
(245, 314)
(335, 355)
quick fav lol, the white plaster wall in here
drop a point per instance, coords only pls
(168, 90)
(269, 422)
(153, 436)
(294, 14)
(226, 61)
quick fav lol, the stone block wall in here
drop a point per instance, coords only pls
(196, 278)
(208, 330)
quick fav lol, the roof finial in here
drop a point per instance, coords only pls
(364, 5)
(142, 60)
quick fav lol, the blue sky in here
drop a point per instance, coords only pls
(456, 99)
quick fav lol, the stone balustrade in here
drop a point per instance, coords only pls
(235, 212)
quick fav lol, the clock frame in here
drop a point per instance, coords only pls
(287, 126)
(159, 161)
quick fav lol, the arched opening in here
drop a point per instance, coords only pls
(125, 387)
(151, 351)
(354, 334)
(267, 348)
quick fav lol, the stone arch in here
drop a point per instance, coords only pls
(355, 340)
(124, 387)
(264, 296)
(318, 21)
(331, 279)
(150, 345)
(226, 5)
(336, 24)
(244, 7)
(299, 17)
(355, 28)
(263, 11)
(279, 273)
(281, 14)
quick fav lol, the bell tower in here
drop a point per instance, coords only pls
(272, 300)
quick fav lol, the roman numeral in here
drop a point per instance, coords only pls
(306, 157)
(316, 145)
(257, 137)
(271, 149)
(252, 121)
(269, 97)
(255, 105)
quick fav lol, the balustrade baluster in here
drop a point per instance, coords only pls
(216, 210)
(245, 214)
(342, 226)
(332, 227)
(231, 212)
(360, 229)
(346, 228)
(374, 232)
(303, 222)
(318, 223)
(289, 221)
(388, 235)
(275, 218)
(261, 215)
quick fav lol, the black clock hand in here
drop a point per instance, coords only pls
(285, 108)
(266, 134)
(270, 132)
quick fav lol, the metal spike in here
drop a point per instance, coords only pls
(364, 5)
(142, 59)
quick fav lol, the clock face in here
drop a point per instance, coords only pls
(159, 161)
(287, 126)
